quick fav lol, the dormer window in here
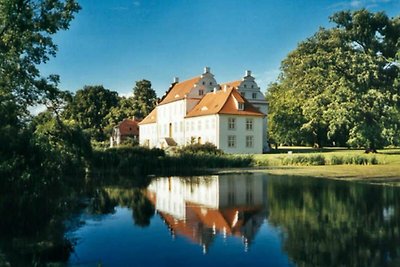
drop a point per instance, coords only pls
(254, 95)
(203, 83)
(201, 92)
(245, 86)
(240, 106)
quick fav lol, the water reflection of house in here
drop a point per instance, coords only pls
(202, 207)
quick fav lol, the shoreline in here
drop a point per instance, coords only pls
(376, 174)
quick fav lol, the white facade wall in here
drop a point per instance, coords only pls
(250, 90)
(240, 132)
(170, 121)
(202, 129)
(148, 135)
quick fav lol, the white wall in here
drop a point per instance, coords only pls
(148, 133)
(171, 115)
(203, 127)
(240, 132)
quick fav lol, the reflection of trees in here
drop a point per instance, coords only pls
(336, 224)
(142, 209)
(134, 198)
(101, 203)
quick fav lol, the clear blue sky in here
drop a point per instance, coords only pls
(115, 43)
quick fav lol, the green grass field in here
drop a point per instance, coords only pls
(387, 169)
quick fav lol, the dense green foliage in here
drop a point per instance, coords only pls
(97, 110)
(144, 98)
(196, 148)
(117, 113)
(338, 87)
(89, 107)
(40, 159)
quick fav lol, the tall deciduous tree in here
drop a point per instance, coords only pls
(33, 157)
(338, 85)
(144, 98)
(26, 28)
(90, 107)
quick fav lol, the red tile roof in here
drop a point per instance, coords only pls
(151, 118)
(234, 84)
(179, 90)
(129, 127)
(223, 102)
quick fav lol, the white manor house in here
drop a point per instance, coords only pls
(231, 115)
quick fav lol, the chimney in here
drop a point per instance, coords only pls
(206, 69)
(215, 90)
(176, 79)
(248, 73)
(225, 87)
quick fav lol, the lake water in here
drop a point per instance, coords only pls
(240, 220)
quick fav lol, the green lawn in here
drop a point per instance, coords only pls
(387, 170)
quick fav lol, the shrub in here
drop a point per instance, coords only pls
(207, 148)
(314, 160)
(373, 161)
(336, 160)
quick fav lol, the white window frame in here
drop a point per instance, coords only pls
(249, 124)
(231, 123)
(231, 140)
(249, 141)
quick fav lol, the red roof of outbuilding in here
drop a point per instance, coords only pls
(129, 127)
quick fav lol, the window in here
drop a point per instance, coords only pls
(231, 141)
(249, 141)
(240, 106)
(243, 94)
(245, 86)
(252, 86)
(201, 92)
(210, 83)
(254, 95)
(181, 126)
(192, 126)
(203, 83)
(231, 123)
(199, 125)
(249, 124)
(207, 125)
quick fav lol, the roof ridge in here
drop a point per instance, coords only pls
(167, 97)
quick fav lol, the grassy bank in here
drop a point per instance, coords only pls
(387, 169)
